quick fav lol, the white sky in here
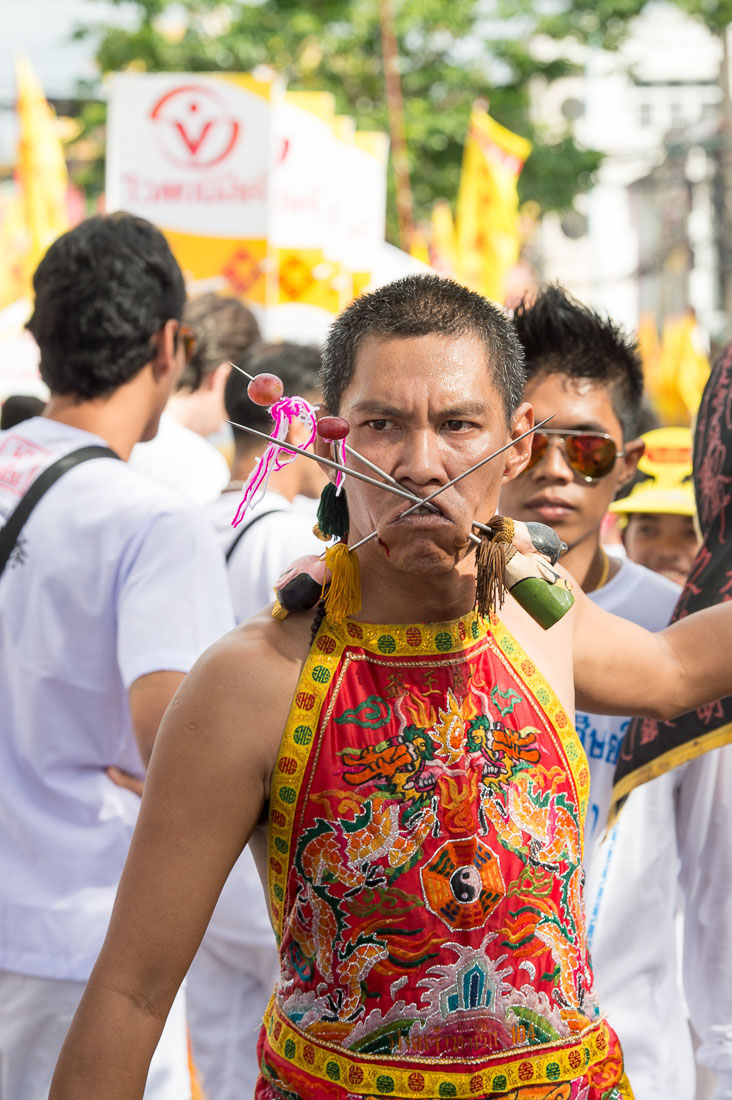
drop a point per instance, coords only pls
(42, 29)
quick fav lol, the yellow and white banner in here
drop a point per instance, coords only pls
(264, 194)
(301, 208)
(192, 153)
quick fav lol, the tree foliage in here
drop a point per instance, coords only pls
(450, 54)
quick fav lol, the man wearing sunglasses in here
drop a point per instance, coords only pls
(102, 612)
(582, 370)
(412, 786)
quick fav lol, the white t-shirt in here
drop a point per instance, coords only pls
(182, 460)
(265, 551)
(671, 848)
(111, 579)
(646, 598)
(240, 923)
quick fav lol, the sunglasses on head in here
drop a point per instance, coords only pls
(592, 455)
(188, 340)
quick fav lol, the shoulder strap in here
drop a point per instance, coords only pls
(16, 519)
(240, 534)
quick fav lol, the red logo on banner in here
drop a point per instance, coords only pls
(195, 126)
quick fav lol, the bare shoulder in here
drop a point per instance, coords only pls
(550, 650)
(238, 694)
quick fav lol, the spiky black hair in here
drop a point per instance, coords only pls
(559, 335)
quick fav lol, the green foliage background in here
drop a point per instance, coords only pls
(451, 52)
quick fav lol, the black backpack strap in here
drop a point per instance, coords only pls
(240, 534)
(16, 519)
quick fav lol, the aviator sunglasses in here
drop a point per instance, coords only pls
(592, 455)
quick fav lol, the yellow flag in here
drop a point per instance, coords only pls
(487, 221)
(443, 254)
(13, 247)
(40, 168)
(675, 386)
(694, 366)
(418, 248)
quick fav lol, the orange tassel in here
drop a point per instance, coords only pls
(343, 595)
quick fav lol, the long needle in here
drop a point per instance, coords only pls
(241, 370)
(448, 484)
(393, 481)
(382, 473)
(335, 466)
(361, 458)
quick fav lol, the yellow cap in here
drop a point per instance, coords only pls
(664, 482)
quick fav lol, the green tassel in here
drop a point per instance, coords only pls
(333, 513)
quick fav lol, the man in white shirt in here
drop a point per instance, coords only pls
(260, 549)
(233, 974)
(180, 455)
(583, 371)
(110, 594)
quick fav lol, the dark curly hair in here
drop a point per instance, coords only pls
(102, 291)
(423, 305)
(559, 335)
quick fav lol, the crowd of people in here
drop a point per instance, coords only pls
(375, 854)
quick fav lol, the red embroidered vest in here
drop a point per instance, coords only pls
(425, 874)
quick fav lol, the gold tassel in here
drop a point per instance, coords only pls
(279, 612)
(491, 558)
(343, 595)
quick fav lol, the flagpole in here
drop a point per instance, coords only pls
(395, 106)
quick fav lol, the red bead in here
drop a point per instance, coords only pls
(333, 428)
(265, 389)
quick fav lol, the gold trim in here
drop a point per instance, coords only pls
(416, 1076)
(548, 702)
(666, 762)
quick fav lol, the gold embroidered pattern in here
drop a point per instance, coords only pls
(305, 721)
(418, 1076)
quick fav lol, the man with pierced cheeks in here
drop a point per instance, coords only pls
(428, 908)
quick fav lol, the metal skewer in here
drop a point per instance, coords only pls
(382, 473)
(241, 370)
(453, 481)
(387, 477)
(386, 486)
(337, 465)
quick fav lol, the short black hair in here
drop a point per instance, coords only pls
(18, 407)
(297, 365)
(559, 335)
(102, 291)
(423, 305)
(225, 330)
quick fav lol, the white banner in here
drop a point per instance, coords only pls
(191, 152)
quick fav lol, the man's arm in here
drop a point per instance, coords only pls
(204, 793)
(149, 697)
(620, 668)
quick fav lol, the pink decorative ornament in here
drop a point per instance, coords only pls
(285, 412)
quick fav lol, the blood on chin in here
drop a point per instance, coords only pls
(423, 554)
